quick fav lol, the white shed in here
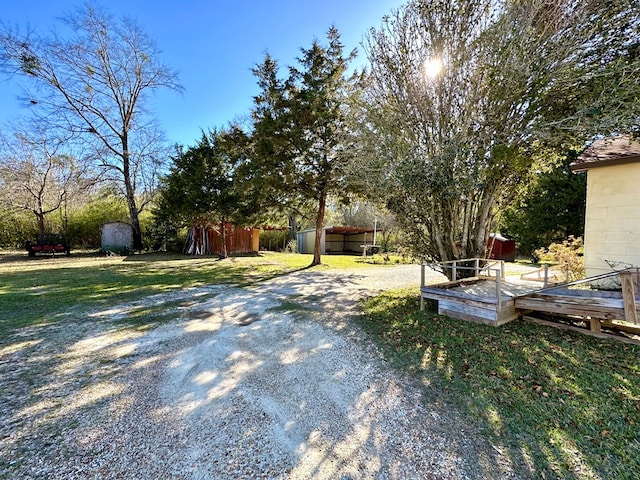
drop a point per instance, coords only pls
(117, 237)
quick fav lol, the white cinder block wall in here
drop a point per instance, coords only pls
(612, 226)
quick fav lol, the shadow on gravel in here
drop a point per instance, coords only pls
(293, 399)
(234, 387)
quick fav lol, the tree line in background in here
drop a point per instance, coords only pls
(441, 156)
(89, 85)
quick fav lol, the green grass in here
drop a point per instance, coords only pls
(563, 405)
(560, 404)
(43, 290)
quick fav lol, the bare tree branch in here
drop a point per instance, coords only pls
(93, 81)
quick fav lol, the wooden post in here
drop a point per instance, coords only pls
(477, 267)
(501, 268)
(546, 275)
(595, 325)
(498, 293)
(636, 277)
(454, 272)
(422, 275)
(628, 297)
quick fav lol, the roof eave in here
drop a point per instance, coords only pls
(578, 167)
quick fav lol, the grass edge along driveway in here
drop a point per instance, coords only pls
(560, 404)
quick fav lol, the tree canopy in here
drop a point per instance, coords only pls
(37, 174)
(448, 149)
(204, 186)
(551, 209)
(300, 129)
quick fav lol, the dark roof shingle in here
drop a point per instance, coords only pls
(608, 151)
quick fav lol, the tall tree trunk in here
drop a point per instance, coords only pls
(223, 229)
(484, 223)
(135, 222)
(293, 227)
(41, 225)
(131, 196)
(322, 202)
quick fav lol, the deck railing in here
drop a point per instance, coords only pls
(548, 274)
(482, 267)
(626, 281)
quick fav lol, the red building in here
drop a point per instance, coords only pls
(208, 240)
(501, 248)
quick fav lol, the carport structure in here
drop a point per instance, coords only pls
(336, 239)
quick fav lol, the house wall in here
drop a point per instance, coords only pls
(334, 243)
(501, 249)
(352, 241)
(612, 224)
(346, 242)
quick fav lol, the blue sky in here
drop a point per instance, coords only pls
(213, 44)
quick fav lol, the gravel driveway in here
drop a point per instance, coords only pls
(271, 381)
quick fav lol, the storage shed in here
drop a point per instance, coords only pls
(612, 217)
(208, 240)
(501, 248)
(336, 239)
(117, 237)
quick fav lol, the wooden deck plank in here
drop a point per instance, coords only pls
(562, 326)
(567, 305)
(477, 299)
(446, 294)
(623, 327)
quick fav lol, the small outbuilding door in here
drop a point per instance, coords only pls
(117, 237)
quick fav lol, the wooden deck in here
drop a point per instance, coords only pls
(566, 301)
(492, 298)
(615, 309)
(486, 297)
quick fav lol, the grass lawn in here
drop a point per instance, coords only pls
(39, 290)
(560, 404)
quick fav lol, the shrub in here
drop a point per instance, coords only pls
(292, 247)
(569, 253)
(273, 240)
